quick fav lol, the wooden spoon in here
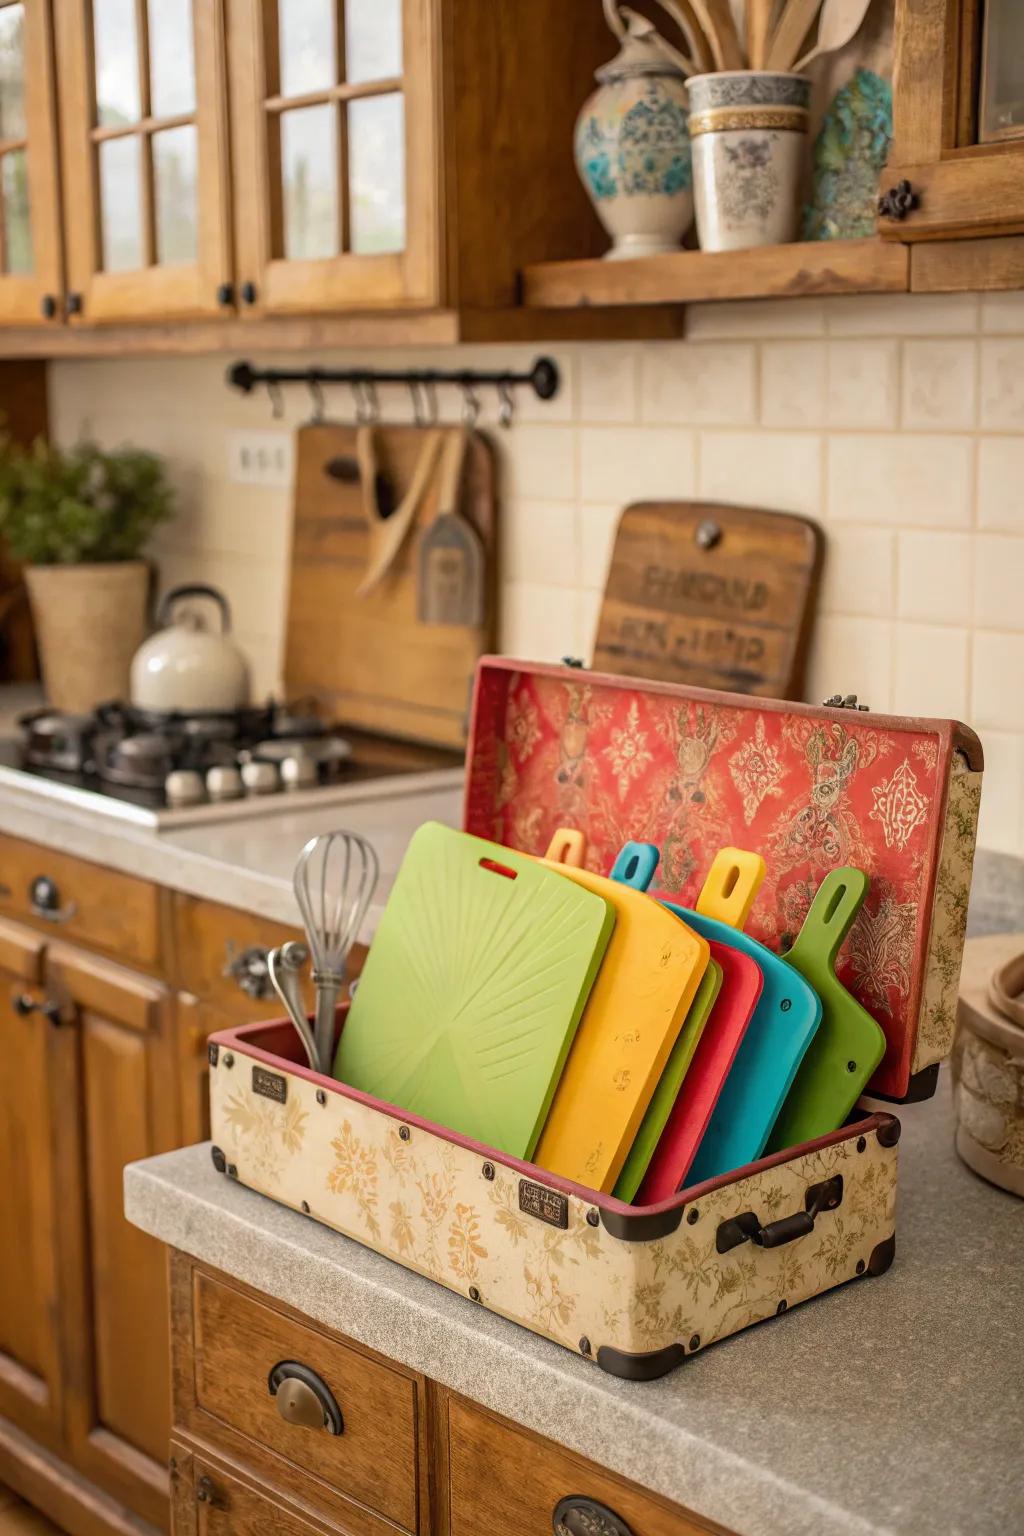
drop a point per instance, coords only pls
(716, 18)
(796, 21)
(839, 24)
(759, 23)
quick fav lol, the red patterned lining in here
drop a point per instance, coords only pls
(693, 772)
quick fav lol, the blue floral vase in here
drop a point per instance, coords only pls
(633, 148)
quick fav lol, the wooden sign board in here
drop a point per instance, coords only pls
(711, 595)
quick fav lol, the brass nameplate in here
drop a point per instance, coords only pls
(271, 1085)
(546, 1204)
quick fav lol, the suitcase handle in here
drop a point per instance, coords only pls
(747, 1227)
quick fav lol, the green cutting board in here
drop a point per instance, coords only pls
(847, 1045)
(669, 1084)
(473, 987)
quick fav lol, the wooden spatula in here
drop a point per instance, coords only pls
(838, 24)
(388, 534)
(793, 25)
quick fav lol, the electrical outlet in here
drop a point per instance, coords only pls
(260, 458)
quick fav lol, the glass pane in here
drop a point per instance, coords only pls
(117, 62)
(376, 168)
(121, 203)
(12, 72)
(309, 166)
(174, 189)
(1002, 71)
(17, 226)
(308, 61)
(373, 39)
(172, 68)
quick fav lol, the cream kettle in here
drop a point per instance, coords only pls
(185, 667)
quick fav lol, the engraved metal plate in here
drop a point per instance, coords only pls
(271, 1085)
(546, 1204)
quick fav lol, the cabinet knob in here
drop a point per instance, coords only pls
(248, 291)
(73, 304)
(304, 1398)
(47, 306)
(578, 1516)
(226, 294)
(24, 1004)
(207, 1492)
(249, 968)
(44, 900)
(898, 201)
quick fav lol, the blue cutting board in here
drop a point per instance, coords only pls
(783, 1025)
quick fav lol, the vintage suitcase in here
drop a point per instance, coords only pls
(637, 1289)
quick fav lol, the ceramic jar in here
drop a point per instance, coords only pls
(748, 129)
(633, 147)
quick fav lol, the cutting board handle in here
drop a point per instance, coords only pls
(732, 883)
(830, 916)
(636, 865)
(567, 846)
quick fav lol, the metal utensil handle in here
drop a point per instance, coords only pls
(285, 978)
(328, 989)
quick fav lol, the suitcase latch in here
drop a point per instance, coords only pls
(747, 1227)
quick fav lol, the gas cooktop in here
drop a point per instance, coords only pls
(176, 770)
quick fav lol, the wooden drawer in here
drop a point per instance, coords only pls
(373, 1460)
(508, 1482)
(94, 905)
(208, 1499)
(211, 942)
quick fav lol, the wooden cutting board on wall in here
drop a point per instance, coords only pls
(711, 595)
(368, 660)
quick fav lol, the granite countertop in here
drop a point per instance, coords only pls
(893, 1405)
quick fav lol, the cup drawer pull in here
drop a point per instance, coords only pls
(577, 1516)
(304, 1398)
(44, 900)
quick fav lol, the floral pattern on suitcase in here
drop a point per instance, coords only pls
(428, 1203)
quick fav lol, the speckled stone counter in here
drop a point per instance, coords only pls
(893, 1405)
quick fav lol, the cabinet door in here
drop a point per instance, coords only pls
(121, 1107)
(29, 1362)
(336, 153)
(30, 261)
(958, 118)
(144, 139)
(206, 1500)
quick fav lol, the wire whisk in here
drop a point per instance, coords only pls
(335, 878)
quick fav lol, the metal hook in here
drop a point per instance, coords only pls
(415, 395)
(367, 405)
(317, 396)
(470, 404)
(276, 399)
(430, 396)
(506, 404)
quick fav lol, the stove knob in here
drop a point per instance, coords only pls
(260, 778)
(184, 787)
(224, 783)
(299, 772)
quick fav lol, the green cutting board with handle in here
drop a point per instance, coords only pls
(474, 984)
(848, 1044)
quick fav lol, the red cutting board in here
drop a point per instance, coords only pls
(741, 987)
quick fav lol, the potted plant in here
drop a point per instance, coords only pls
(78, 518)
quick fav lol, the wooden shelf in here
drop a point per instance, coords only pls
(691, 277)
(433, 328)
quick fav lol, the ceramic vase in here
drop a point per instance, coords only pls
(748, 129)
(633, 148)
(89, 622)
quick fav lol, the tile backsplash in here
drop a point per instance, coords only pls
(897, 422)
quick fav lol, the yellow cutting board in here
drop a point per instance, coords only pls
(647, 981)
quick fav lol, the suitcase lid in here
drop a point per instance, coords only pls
(808, 787)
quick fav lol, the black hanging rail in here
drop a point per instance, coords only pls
(543, 378)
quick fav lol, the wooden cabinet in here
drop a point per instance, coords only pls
(30, 1379)
(406, 1454)
(335, 153)
(144, 138)
(958, 119)
(30, 252)
(116, 1105)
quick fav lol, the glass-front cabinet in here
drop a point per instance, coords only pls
(334, 153)
(144, 135)
(30, 261)
(956, 166)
